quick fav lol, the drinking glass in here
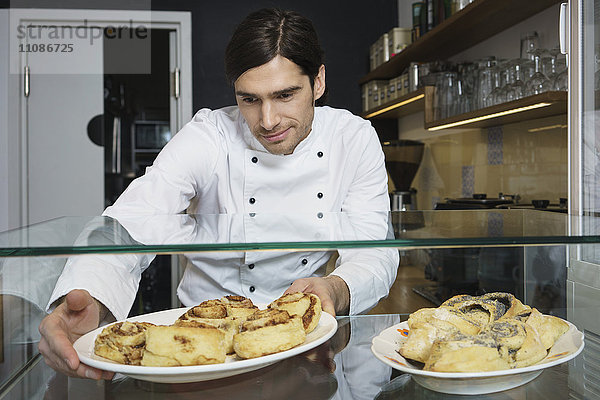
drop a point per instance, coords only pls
(447, 91)
(517, 88)
(561, 81)
(495, 96)
(550, 64)
(538, 83)
(506, 81)
(530, 41)
(485, 83)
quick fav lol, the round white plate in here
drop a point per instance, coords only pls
(386, 344)
(232, 366)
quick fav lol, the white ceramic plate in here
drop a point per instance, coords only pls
(232, 366)
(386, 344)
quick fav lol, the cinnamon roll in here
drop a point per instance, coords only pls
(122, 342)
(226, 313)
(193, 344)
(305, 305)
(229, 327)
(268, 331)
(238, 307)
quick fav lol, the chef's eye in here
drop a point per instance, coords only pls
(286, 96)
(249, 100)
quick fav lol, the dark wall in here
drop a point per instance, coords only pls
(346, 30)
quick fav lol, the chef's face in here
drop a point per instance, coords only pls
(277, 101)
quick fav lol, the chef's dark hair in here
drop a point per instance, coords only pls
(266, 33)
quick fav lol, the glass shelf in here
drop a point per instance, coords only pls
(249, 232)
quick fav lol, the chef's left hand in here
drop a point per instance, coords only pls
(332, 290)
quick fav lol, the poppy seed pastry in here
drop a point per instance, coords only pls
(480, 333)
(549, 327)
(122, 342)
(194, 344)
(268, 331)
(465, 353)
(305, 305)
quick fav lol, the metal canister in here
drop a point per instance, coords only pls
(413, 77)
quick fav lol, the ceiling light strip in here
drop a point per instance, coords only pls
(402, 103)
(489, 116)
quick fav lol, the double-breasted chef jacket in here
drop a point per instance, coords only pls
(214, 165)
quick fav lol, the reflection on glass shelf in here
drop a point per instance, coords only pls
(246, 232)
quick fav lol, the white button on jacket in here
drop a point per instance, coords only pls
(214, 165)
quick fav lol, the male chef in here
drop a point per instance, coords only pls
(275, 152)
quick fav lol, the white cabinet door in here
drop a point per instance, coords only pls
(64, 168)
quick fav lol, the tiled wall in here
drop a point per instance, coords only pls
(528, 159)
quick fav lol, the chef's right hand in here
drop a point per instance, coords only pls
(78, 314)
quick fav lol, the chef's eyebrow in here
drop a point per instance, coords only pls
(272, 94)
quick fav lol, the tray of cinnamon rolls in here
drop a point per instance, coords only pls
(477, 344)
(214, 339)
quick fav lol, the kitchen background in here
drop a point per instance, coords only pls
(526, 159)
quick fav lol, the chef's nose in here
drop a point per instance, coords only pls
(269, 117)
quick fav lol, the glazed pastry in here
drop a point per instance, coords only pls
(463, 353)
(548, 327)
(449, 314)
(122, 342)
(305, 305)
(428, 324)
(193, 344)
(421, 337)
(268, 331)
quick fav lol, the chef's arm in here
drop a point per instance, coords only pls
(368, 274)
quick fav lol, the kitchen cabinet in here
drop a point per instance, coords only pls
(473, 24)
(32, 257)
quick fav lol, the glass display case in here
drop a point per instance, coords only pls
(531, 247)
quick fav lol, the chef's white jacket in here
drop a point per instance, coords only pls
(214, 165)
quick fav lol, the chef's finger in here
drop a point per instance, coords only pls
(56, 347)
(85, 371)
(77, 300)
(298, 285)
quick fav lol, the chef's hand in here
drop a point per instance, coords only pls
(78, 314)
(332, 290)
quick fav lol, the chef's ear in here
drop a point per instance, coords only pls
(319, 85)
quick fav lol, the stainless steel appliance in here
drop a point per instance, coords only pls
(580, 40)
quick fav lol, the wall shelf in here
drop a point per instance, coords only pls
(408, 104)
(474, 23)
(532, 107)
